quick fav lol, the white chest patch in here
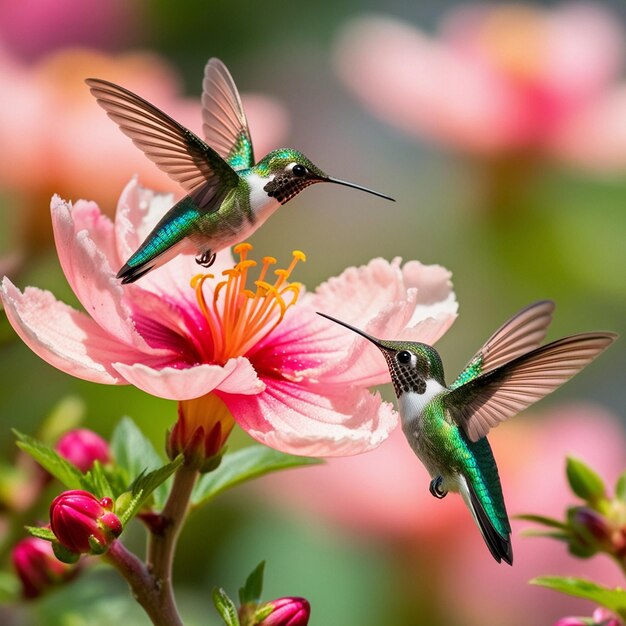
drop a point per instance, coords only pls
(412, 404)
(262, 205)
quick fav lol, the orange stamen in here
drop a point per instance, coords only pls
(239, 317)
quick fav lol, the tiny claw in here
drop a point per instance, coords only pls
(206, 259)
(436, 488)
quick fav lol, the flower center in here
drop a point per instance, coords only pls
(239, 317)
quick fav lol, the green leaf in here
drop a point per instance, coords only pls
(585, 483)
(612, 599)
(620, 487)
(558, 535)
(251, 591)
(42, 533)
(242, 465)
(99, 483)
(143, 487)
(225, 607)
(134, 452)
(540, 519)
(49, 459)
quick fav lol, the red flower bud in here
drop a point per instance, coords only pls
(592, 527)
(83, 448)
(82, 523)
(37, 567)
(288, 612)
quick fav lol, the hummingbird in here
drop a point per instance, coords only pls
(228, 195)
(446, 426)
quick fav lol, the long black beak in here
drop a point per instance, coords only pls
(358, 331)
(345, 183)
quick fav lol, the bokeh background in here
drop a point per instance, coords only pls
(500, 130)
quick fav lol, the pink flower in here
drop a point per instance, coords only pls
(37, 567)
(497, 79)
(62, 142)
(601, 617)
(290, 379)
(82, 523)
(288, 612)
(33, 27)
(384, 496)
(83, 448)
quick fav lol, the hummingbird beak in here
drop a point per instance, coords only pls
(375, 341)
(345, 183)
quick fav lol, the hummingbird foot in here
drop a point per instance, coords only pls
(436, 488)
(206, 259)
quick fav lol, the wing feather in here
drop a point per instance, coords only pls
(174, 149)
(224, 122)
(522, 333)
(483, 402)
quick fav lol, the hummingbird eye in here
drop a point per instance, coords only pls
(298, 170)
(404, 357)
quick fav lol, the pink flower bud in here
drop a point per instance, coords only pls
(288, 612)
(83, 448)
(82, 523)
(604, 617)
(37, 567)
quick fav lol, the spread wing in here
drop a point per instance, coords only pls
(522, 333)
(485, 401)
(181, 154)
(224, 121)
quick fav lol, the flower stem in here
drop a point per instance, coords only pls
(162, 543)
(143, 585)
(151, 583)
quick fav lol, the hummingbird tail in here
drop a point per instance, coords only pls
(499, 546)
(144, 260)
(128, 274)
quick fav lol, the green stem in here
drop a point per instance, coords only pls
(160, 607)
(162, 544)
(151, 583)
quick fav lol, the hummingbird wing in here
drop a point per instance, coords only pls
(224, 122)
(522, 333)
(181, 154)
(485, 401)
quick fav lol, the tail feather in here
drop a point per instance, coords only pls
(499, 546)
(134, 269)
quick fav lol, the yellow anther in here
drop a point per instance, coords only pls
(298, 254)
(242, 248)
(282, 273)
(244, 265)
(199, 278)
(269, 260)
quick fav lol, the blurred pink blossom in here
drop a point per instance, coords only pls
(31, 28)
(60, 141)
(498, 79)
(290, 379)
(385, 494)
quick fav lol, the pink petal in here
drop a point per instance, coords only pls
(415, 302)
(89, 272)
(596, 139)
(423, 86)
(67, 339)
(314, 420)
(138, 211)
(236, 377)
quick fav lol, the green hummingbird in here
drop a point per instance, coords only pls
(446, 426)
(228, 195)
